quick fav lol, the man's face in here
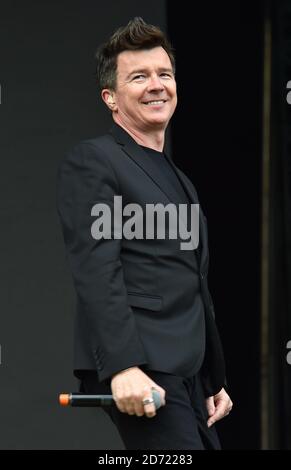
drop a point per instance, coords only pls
(145, 97)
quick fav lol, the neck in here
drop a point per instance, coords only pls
(154, 138)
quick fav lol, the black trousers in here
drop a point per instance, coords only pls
(180, 424)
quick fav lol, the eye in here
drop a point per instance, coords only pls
(139, 77)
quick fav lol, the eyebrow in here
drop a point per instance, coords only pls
(136, 71)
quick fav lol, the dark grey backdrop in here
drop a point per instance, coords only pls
(49, 102)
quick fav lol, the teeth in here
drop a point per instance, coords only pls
(156, 102)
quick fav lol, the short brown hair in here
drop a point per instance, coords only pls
(136, 35)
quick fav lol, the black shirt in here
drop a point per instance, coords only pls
(165, 169)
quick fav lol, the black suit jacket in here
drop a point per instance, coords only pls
(139, 302)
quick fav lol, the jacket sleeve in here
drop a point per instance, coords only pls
(213, 368)
(212, 372)
(86, 178)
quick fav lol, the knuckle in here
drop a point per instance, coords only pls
(147, 389)
(136, 396)
(127, 396)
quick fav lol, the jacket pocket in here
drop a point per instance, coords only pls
(148, 302)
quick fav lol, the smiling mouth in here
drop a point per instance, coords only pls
(155, 102)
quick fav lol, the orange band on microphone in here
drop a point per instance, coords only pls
(64, 399)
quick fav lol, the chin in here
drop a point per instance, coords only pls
(159, 120)
(160, 124)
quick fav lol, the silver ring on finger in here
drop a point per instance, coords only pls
(147, 401)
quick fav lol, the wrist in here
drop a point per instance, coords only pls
(124, 370)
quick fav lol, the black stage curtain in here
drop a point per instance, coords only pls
(217, 135)
(280, 228)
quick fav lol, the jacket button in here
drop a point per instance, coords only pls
(202, 275)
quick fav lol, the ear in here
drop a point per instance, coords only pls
(108, 97)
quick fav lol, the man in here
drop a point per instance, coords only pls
(145, 317)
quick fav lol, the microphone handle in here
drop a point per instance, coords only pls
(90, 400)
(82, 399)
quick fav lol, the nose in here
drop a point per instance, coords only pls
(155, 83)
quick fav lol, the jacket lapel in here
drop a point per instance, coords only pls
(202, 251)
(139, 156)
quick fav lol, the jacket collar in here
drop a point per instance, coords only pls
(136, 153)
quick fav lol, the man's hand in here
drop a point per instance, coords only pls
(218, 406)
(129, 387)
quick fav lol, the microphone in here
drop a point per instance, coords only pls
(82, 399)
